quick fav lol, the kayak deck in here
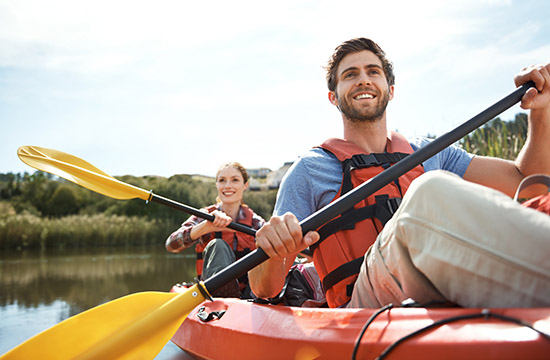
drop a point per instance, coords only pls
(252, 331)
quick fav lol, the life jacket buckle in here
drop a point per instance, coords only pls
(361, 161)
(393, 204)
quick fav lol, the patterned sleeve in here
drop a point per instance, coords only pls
(180, 239)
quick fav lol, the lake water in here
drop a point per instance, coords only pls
(41, 289)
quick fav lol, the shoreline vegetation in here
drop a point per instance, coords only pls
(41, 211)
(29, 231)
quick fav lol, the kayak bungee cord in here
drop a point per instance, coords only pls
(484, 313)
(365, 327)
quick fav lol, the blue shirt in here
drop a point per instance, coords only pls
(315, 178)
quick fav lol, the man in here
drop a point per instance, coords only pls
(450, 240)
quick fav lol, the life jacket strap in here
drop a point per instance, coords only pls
(383, 210)
(361, 161)
(340, 273)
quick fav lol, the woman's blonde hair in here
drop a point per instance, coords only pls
(235, 165)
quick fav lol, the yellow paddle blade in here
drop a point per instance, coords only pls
(80, 172)
(136, 326)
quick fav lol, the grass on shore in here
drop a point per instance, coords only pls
(26, 230)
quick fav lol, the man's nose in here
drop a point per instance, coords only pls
(363, 79)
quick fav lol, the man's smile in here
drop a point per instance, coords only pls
(363, 96)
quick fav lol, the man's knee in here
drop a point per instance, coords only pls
(429, 188)
(433, 183)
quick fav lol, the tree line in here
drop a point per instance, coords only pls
(39, 210)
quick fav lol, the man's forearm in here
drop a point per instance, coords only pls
(267, 279)
(534, 157)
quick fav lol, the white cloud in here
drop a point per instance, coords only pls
(187, 69)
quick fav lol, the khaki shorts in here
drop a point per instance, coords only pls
(452, 240)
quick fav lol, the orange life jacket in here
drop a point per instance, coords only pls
(241, 243)
(345, 239)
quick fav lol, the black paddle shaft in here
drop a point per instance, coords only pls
(372, 185)
(203, 215)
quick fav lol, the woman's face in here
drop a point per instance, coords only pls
(230, 184)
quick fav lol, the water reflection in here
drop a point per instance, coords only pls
(40, 289)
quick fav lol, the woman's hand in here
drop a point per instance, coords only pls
(220, 223)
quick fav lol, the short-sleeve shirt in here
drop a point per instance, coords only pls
(314, 179)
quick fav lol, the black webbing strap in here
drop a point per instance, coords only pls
(343, 271)
(341, 222)
(386, 207)
(383, 210)
(361, 161)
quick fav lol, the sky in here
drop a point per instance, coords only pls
(179, 87)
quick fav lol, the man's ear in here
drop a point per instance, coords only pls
(390, 92)
(333, 98)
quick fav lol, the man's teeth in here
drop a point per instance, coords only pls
(364, 96)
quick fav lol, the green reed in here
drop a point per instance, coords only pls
(18, 231)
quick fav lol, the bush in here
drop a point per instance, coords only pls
(78, 231)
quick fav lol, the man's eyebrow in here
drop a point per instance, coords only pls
(369, 66)
(374, 66)
(348, 69)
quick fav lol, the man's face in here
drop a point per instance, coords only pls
(362, 91)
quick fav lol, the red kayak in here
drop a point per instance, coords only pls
(239, 329)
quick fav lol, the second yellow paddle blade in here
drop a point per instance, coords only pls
(136, 326)
(79, 172)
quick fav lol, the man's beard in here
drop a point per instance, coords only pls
(357, 115)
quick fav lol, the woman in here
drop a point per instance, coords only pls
(216, 245)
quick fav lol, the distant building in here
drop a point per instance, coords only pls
(259, 173)
(274, 178)
(264, 179)
(254, 184)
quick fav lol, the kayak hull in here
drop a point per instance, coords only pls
(252, 331)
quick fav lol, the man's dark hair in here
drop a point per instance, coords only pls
(353, 46)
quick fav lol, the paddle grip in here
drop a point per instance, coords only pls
(369, 187)
(203, 215)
